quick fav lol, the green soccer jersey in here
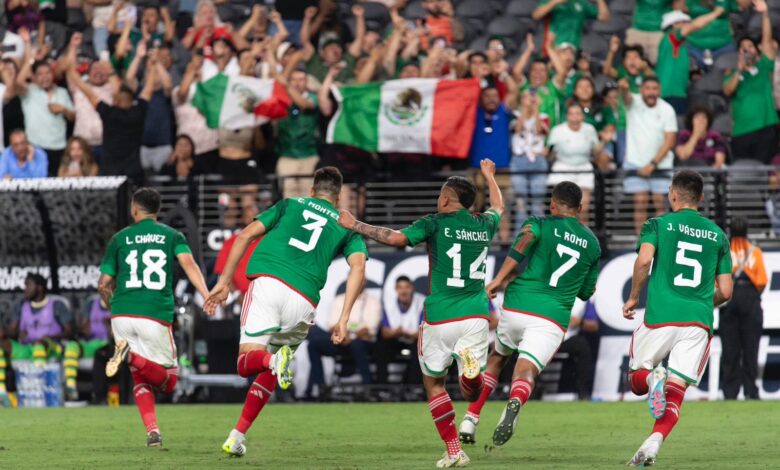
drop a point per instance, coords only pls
(673, 64)
(716, 34)
(563, 263)
(690, 251)
(140, 258)
(568, 19)
(458, 244)
(302, 238)
(753, 105)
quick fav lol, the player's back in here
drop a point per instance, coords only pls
(458, 244)
(141, 259)
(563, 257)
(691, 251)
(302, 239)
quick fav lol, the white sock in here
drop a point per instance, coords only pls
(238, 435)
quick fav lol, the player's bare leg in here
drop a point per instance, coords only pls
(523, 380)
(255, 359)
(674, 392)
(467, 432)
(443, 415)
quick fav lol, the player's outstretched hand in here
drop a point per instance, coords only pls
(339, 333)
(347, 220)
(629, 308)
(217, 296)
(488, 167)
(492, 288)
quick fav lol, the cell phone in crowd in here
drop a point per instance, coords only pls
(5, 48)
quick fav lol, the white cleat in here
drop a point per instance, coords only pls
(234, 447)
(647, 453)
(453, 461)
(280, 366)
(468, 430)
(121, 349)
(656, 398)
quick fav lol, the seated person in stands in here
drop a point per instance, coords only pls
(399, 330)
(93, 332)
(42, 323)
(363, 325)
(697, 144)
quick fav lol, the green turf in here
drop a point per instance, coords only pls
(551, 435)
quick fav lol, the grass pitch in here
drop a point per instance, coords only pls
(365, 436)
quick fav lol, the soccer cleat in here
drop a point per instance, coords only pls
(471, 367)
(280, 366)
(647, 453)
(121, 349)
(453, 461)
(71, 392)
(656, 399)
(506, 425)
(234, 447)
(154, 439)
(468, 430)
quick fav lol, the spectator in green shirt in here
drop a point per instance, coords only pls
(750, 88)
(537, 81)
(673, 67)
(297, 138)
(567, 17)
(597, 115)
(646, 28)
(717, 38)
(331, 50)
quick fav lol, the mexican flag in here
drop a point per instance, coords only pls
(238, 102)
(416, 115)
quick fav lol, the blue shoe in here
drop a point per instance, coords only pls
(656, 399)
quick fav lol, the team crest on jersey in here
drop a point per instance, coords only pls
(406, 109)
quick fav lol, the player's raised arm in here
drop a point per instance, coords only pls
(496, 199)
(384, 235)
(355, 282)
(220, 291)
(194, 274)
(639, 279)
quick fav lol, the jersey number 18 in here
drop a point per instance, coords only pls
(153, 276)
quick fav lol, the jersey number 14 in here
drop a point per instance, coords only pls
(476, 269)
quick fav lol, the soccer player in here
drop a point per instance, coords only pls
(289, 267)
(563, 264)
(456, 310)
(136, 280)
(689, 255)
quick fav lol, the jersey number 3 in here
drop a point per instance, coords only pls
(315, 227)
(153, 276)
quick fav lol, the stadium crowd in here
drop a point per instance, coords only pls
(107, 87)
(569, 87)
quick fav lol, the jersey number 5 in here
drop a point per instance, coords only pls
(476, 269)
(683, 260)
(574, 255)
(153, 275)
(315, 227)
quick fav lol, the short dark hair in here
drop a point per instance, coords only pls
(478, 54)
(328, 180)
(747, 38)
(37, 279)
(464, 188)
(693, 111)
(651, 79)
(739, 226)
(147, 199)
(567, 194)
(689, 185)
(403, 279)
(38, 64)
(126, 90)
(634, 48)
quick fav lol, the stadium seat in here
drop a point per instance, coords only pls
(722, 124)
(480, 44)
(508, 27)
(376, 12)
(596, 45)
(616, 25)
(623, 7)
(414, 11)
(474, 9)
(710, 83)
(727, 61)
(522, 8)
(601, 82)
(774, 5)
